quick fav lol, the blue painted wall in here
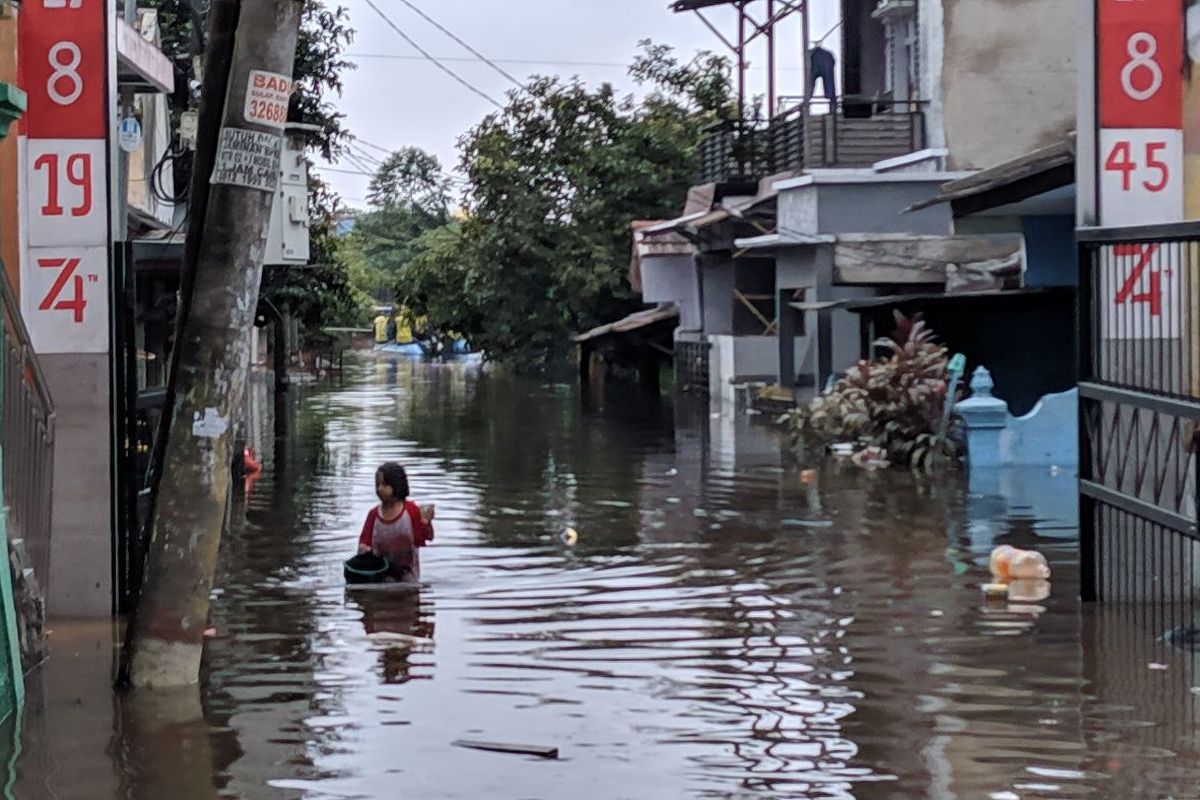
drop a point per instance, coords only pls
(1050, 251)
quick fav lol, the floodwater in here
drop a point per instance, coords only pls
(720, 629)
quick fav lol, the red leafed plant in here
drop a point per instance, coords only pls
(894, 403)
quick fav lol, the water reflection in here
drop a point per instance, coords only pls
(729, 624)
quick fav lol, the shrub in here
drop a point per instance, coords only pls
(895, 403)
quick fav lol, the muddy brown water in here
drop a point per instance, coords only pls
(720, 629)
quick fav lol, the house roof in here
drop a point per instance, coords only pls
(634, 322)
(862, 305)
(664, 245)
(1032, 174)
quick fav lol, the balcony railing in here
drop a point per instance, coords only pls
(27, 440)
(853, 133)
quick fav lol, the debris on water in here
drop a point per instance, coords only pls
(1195, 690)
(541, 751)
(613, 503)
(674, 501)
(1004, 796)
(995, 590)
(937, 612)
(569, 537)
(871, 458)
(671, 473)
(1186, 638)
(1024, 590)
(1055, 470)
(808, 523)
(210, 633)
(1155, 666)
(1008, 563)
(808, 476)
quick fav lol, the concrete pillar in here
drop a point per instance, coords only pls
(986, 417)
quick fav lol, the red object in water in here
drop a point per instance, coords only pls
(251, 466)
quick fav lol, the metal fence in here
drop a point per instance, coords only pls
(1139, 335)
(814, 133)
(27, 436)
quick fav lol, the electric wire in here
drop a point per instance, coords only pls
(466, 46)
(471, 87)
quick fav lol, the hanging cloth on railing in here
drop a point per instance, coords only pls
(822, 65)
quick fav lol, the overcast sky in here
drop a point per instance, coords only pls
(396, 98)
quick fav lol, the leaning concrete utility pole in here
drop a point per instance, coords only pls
(168, 636)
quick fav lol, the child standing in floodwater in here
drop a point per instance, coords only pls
(397, 528)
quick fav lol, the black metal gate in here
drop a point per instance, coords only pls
(1139, 391)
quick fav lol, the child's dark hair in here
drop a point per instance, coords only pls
(394, 476)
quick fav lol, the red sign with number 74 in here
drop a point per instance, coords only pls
(1142, 283)
(65, 297)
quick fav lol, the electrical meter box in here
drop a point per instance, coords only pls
(287, 236)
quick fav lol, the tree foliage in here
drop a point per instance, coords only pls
(554, 180)
(409, 197)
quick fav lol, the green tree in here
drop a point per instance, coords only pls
(409, 195)
(555, 179)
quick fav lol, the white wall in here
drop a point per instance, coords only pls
(673, 279)
(1008, 77)
(734, 358)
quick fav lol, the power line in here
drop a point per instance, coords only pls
(364, 155)
(470, 60)
(466, 46)
(545, 62)
(425, 53)
(384, 150)
(366, 168)
(345, 171)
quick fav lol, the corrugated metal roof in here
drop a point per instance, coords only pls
(633, 322)
(1059, 154)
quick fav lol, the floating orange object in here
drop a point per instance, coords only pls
(249, 463)
(1009, 563)
(808, 476)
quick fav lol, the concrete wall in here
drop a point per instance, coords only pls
(855, 205)
(673, 279)
(716, 294)
(1050, 255)
(739, 357)
(1008, 77)
(81, 547)
(880, 208)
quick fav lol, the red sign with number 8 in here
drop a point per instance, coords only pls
(62, 69)
(1141, 64)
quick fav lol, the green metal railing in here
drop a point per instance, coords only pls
(27, 474)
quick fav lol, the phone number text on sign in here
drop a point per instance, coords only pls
(267, 98)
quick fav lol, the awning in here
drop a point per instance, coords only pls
(1032, 174)
(861, 305)
(634, 322)
(141, 65)
(692, 224)
(777, 241)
